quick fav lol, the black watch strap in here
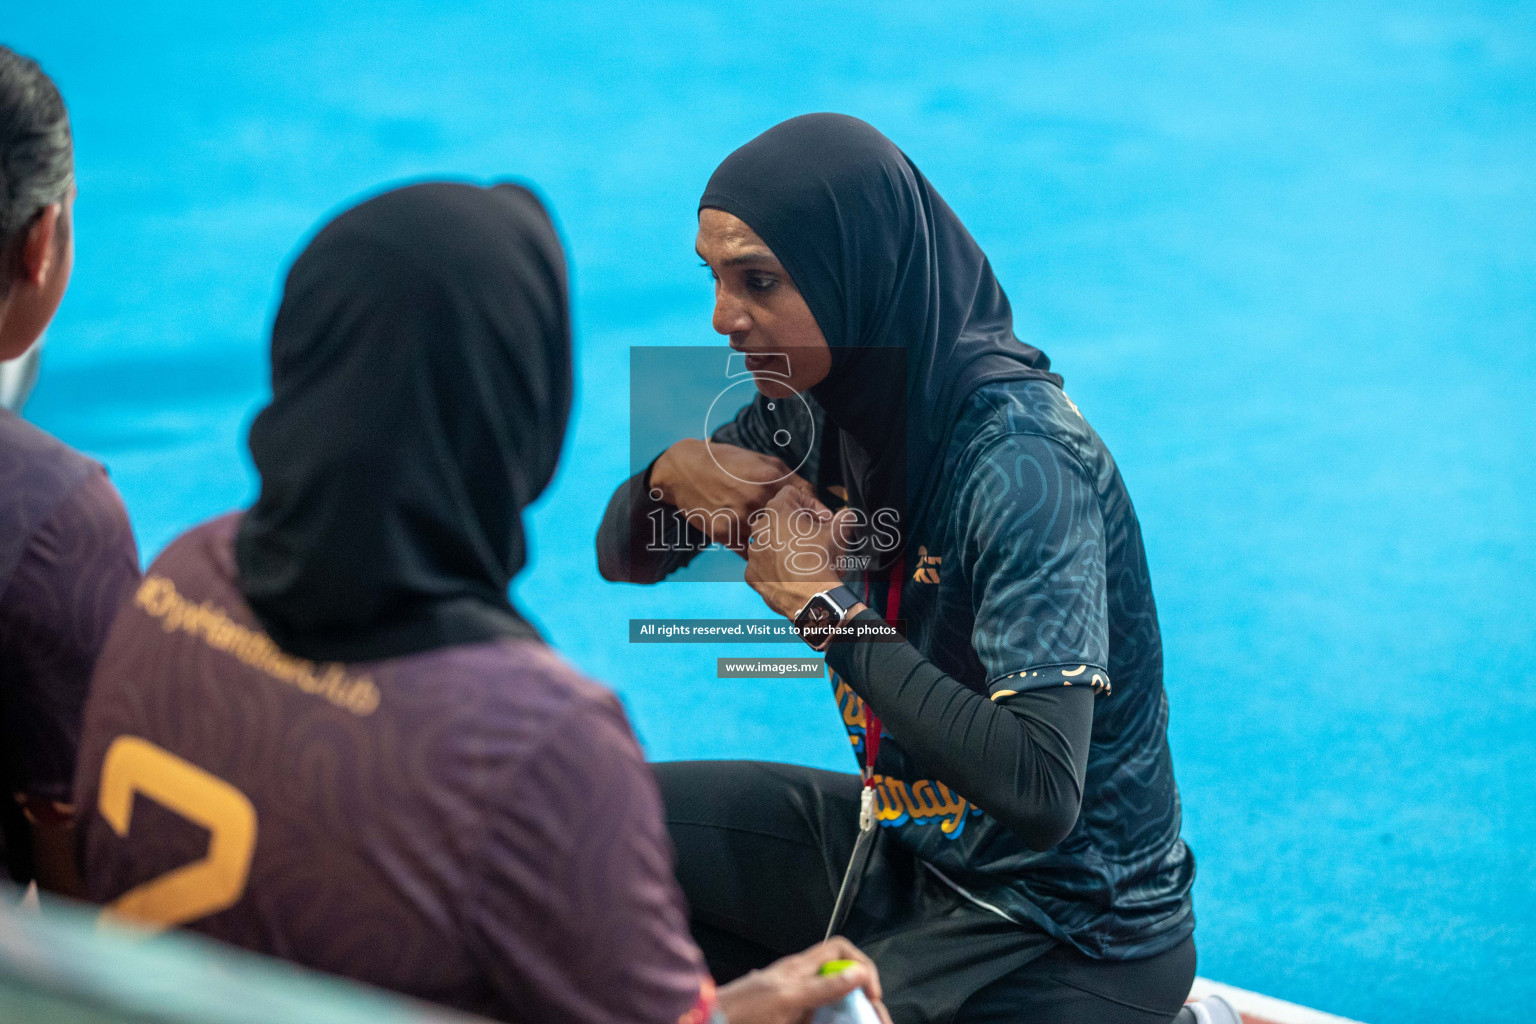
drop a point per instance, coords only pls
(838, 601)
(844, 598)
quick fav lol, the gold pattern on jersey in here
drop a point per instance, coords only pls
(896, 801)
(927, 566)
(133, 765)
(206, 621)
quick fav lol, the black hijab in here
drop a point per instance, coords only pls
(421, 382)
(888, 271)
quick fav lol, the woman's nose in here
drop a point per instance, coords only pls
(730, 317)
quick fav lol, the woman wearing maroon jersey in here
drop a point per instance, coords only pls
(322, 731)
(67, 556)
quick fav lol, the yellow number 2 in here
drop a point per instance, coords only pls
(205, 886)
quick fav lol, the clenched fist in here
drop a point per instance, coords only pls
(719, 487)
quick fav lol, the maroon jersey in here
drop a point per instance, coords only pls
(473, 825)
(67, 563)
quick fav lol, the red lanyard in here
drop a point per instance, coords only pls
(872, 720)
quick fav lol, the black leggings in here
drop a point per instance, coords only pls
(761, 850)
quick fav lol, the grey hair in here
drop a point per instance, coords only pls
(37, 152)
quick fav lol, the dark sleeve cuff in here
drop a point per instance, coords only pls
(1023, 763)
(622, 554)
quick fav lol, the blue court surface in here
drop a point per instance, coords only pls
(1283, 253)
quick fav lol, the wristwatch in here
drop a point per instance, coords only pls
(822, 613)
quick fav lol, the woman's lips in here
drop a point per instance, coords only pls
(776, 363)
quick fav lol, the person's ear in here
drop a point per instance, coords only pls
(38, 251)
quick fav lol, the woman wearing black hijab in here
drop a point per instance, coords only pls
(1013, 738)
(356, 754)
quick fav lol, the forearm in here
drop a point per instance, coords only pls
(1023, 762)
(641, 539)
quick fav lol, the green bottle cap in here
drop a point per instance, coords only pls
(837, 966)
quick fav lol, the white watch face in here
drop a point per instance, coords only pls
(819, 613)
